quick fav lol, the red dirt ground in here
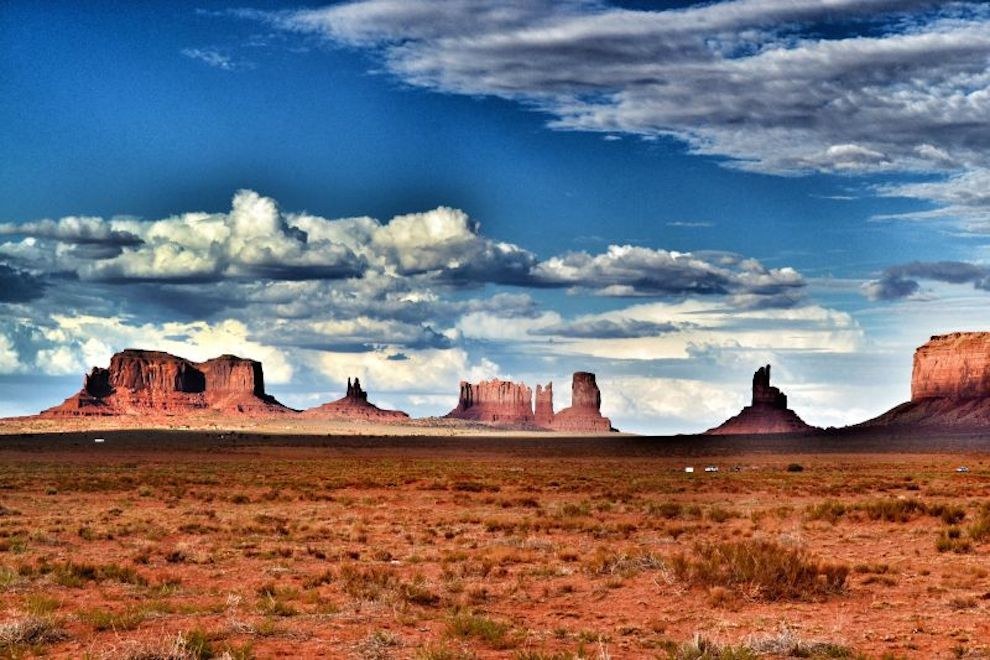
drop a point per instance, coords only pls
(268, 546)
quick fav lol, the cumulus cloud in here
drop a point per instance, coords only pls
(785, 87)
(423, 371)
(636, 271)
(901, 281)
(76, 343)
(18, 286)
(257, 241)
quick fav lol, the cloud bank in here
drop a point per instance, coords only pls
(845, 86)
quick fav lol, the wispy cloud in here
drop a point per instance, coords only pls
(892, 86)
(216, 59)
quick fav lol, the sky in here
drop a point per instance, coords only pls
(669, 194)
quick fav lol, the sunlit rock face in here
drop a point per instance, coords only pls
(584, 414)
(767, 414)
(506, 403)
(354, 406)
(495, 401)
(950, 386)
(954, 366)
(153, 383)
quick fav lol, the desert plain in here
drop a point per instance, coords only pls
(260, 542)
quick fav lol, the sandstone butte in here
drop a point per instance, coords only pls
(153, 383)
(767, 414)
(506, 403)
(355, 406)
(950, 385)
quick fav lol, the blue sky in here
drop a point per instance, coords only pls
(669, 194)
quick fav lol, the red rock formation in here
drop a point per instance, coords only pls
(544, 405)
(354, 406)
(497, 401)
(950, 385)
(768, 413)
(955, 366)
(584, 414)
(154, 383)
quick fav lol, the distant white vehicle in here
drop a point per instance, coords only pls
(97, 439)
(962, 468)
(689, 469)
(711, 468)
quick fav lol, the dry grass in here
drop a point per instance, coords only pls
(761, 569)
(275, 552)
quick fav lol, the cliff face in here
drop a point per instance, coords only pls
(584, 414)
(354, 406)
(495, 400)
(950, 385)
(767, 414)
(544, 405)
(955, 366)
(504, 402)
(153, 383)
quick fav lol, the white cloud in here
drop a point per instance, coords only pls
(626, 270)
(215, 58)
(10, 361)
(80, 342)
(681, 405)
(424, 371)
(900, 85)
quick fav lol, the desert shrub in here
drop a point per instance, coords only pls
(100, 619)
(71, 574)
(979, 530)
(830, 510)
(366, 583)
(495, 634)
(31, 631)
(442, 652)
(623, 564)
(949, 513)
(720, 515)
(951, 540)
(893, 510)
(765, 569)
(418, 593)
(701, 648)
(669, 510)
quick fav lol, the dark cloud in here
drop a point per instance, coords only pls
(637, 271)
(600, 328)
(73, 229)
(17, 286)
(901, 281)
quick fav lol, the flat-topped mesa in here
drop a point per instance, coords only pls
(141, 382)
(495, 401)
(767, 414)
(584, 414)
(953, 366)
(950, 386)
(354, 406)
